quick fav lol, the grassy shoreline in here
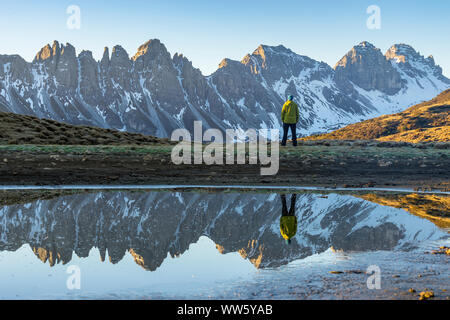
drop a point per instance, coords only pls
(324, 164)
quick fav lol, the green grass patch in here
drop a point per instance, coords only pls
(81, 150)
(318, 151)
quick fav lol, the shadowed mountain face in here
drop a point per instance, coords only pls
(152, 225)
(154, 93)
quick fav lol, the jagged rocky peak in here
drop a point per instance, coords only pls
(179, 58)
(367, 67)
(258, 59)
(53, 52)
(401, 53)
(260, 53)
(275, 63)
(191, 77)
(264, 53)
(104, 62)
(152, 44)
(430, 58)
(413, 63)
(67, 50)
(225, 63)
(152, 55)
(366, 45)
(45, 53)
(248, 60)
(85, 54)
(152, 48)
(118, 52)
(358, 53)
(265, 50)
(61, 62)
(105, 57)
(14, 67)
(232, 70)
(56, 49)
(182, 62)
(120, 58)
(138, 259)
(52, 255)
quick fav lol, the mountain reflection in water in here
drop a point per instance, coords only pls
(151, 225)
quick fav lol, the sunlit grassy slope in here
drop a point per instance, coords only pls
(425, 122)
(17, 129)
(435, 208)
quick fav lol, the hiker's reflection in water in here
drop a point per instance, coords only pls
(288, 220)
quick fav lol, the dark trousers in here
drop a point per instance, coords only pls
(286, 127)
(284, 211)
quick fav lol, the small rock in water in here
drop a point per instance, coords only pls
(441, 250)
(354, 271)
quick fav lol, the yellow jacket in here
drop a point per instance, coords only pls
(288, 226)
(289, 112)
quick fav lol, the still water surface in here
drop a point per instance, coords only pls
(170, 244)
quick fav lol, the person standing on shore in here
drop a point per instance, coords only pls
(289, 117)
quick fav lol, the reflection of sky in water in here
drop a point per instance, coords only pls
(233, 220)
(24, 275)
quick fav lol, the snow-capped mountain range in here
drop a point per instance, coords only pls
(152, 225)
(155, 93)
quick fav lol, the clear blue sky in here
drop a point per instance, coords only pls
(206, 31)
